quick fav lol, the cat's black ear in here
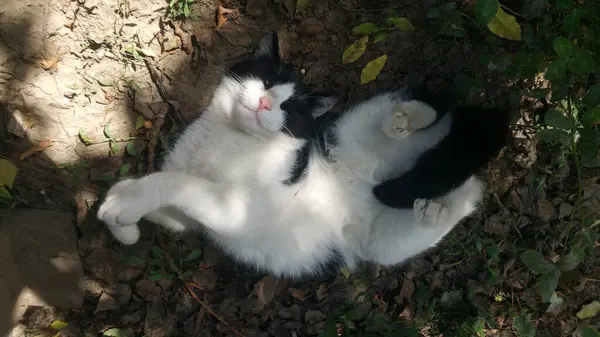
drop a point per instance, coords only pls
(268, 47)
(325, 100)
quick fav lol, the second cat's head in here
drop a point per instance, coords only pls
(266, 96)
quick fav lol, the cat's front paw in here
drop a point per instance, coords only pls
(430, 213)
(125, 204)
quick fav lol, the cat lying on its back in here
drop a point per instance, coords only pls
(288, 194)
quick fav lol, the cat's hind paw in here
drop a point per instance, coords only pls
(408, 117)
(398, 124)
(430, 213)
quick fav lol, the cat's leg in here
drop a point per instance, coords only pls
(201, 200)
(408, 117)
(399, 234)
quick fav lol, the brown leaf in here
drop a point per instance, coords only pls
(310, 26)
(205, 279)
(147, 289)
(406, 292)
(41, 146)
(298, 294)
(225, 14)
(265, 289)
(106, 303)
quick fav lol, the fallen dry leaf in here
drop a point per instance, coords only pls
(225, 14)
(41, 146)
(106, 303)
(310, 26)
(298, 294)
(265, 289)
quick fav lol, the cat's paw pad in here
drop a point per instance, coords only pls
(430, 213)
(398, 124)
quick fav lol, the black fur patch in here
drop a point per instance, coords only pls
(476, 136)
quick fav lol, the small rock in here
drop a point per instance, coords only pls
(255, 7)
(310, 26)
(104, 264)
(205, 279)
(106, 303)
(314, 316)
(148, 290)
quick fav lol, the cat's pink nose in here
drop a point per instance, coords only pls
(264, 103)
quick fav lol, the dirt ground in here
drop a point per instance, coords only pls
(70, 68)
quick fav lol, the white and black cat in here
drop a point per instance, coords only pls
(286, 193)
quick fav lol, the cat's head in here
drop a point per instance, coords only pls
(267, 95)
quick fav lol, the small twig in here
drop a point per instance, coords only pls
(210, 311)
(188, 287)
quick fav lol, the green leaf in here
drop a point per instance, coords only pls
(572, 22)
(156, 251)
(493, 251)
(372, 69)
(194, 254)
(553, 135)
(505, 25)
(434, 13)
(536, 262)
(366, 28)
(548, 283)
(589, 153)
(124, 169)
(329, 329)
(131, 149)
(108, 131)
(557, 70)
(186, 10)
(156, 277)
(534, 8)
(139, 122)
(592, 97)
(57, 325)
(355, 50)
(114, 332)
(571, 260)
(302, 4)
(485, 10)
(134, 261)
(562, 47)
(524, 327)
(84, 138)
(556, 119)
(114, 147)
(564, 4)
(8, 173)
(402, 24)
(345, 272)
(588, 331)
(381, 35)
(589, 310)
(591, 117)
(583, 61)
